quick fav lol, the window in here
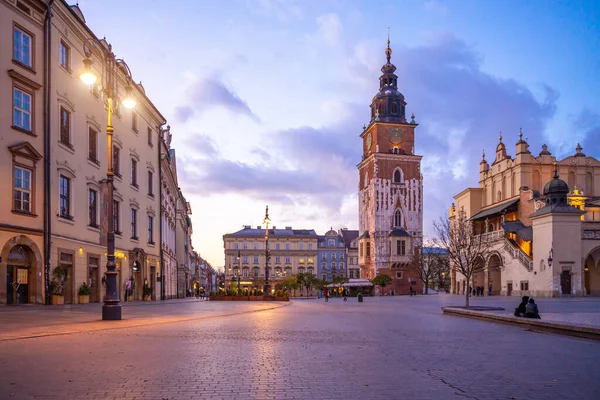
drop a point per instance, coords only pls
(117, 161)
(65, 123)
(524, 285)
(341, 265)
(235, 246)
(96, 93)
(331, 243)
(277, 246)
(277, 259)
(92, 208)
(22, 189)
(64, 55)
(116, 217)
(65, 197)
(134, 173)
(245, 246)
(287, 246)
(301, 246)
(255, 246)
(398, 274)
(150, 137)
(256, 259)
(287, 259)
(245, 273)
(310, 271)
(310, 246)
(245, 259)
(255, 273)
(401, 247)
(361, 249)
(134, 224)
(150, 229)
(368, 249)
(22, 47)
(397, 176)
(93, 145)
(398, 219)
(150, 184)
(394, 108)
(22, 109)
(134, 124)
(324, 277)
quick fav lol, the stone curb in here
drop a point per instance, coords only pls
(532, 324)
(95, 326)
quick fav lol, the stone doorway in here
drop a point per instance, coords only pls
(494, 275)
(565, 282)
(591, 273)
(19, 282)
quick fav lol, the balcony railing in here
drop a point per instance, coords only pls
(492, 236)
(590, 234)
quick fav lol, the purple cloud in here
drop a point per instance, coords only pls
(208, 93)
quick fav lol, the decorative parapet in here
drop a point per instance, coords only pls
(590, 234)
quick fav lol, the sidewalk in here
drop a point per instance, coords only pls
(21, 322)
(573, 316)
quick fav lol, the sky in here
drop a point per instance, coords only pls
(266, 99)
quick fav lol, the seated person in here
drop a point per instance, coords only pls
(520, 311)
(531, 310)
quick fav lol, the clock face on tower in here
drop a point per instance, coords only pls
(396, 135)
(369, 141)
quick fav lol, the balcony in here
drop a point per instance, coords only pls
(493, 236)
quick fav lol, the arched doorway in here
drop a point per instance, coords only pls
(591, 273)
(21, 272)
(19, 282)
(494, 275)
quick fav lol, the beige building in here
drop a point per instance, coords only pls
(70, 169)
(293, 251)
(545, 232)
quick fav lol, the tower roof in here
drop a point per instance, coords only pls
(388, 104)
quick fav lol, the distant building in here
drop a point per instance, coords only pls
(293, 251)
(331, 256)
(351, 243)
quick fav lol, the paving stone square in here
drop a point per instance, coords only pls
(384, 348)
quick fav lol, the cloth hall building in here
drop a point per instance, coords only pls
(544, 231)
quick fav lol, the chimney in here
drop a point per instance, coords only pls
(289, 228)
(258, 227)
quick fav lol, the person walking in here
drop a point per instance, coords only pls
(345, 294)
(326, 294)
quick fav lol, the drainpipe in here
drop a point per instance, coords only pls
(160, 214)
(47, 186)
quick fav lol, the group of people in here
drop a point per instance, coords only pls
(527, 308)
(478, 291)
(326, 294)
(200, 293)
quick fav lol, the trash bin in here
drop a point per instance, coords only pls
(360, 298)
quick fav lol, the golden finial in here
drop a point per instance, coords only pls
(500, 137)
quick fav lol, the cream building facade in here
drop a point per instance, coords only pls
(55, 160)
(293, 251)
(544, 232)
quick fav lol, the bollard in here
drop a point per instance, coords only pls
(360, 297)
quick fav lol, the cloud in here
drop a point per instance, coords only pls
(311, 171)
(436, 7)
(202, 146)
(210, 92)
(329, 33)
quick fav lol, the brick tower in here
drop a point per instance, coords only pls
(390, 187)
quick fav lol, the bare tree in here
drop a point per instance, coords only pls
(466, 249)
(428, 264)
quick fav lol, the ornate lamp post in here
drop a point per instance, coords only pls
(239, 271)
(111, 66)
(267, 221)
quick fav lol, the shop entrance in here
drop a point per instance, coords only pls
(18, 275)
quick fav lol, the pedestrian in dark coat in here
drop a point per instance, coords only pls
(520, 310)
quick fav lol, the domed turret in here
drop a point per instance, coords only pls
(388, 104)
(556, 190)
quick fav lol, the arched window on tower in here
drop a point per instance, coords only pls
(537, 181)
(394, 108)
(398, 175)
(589, 184)
(398, 219)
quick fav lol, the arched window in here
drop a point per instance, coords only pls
(589, 184)
(513, 184)
(398, 219)
(537, 181)
(394, 108)
(398, 175)
(366, 179)
(571, 180)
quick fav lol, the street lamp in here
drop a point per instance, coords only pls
(111, 310)
(239, 271)
(267, 253)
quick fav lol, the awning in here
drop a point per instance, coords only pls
(358, 283)
(508, 206)
(517, 227)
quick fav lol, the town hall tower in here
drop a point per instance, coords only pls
(390, 188)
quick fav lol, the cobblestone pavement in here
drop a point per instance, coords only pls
(384, 348)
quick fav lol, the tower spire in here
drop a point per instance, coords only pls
(388, 50)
